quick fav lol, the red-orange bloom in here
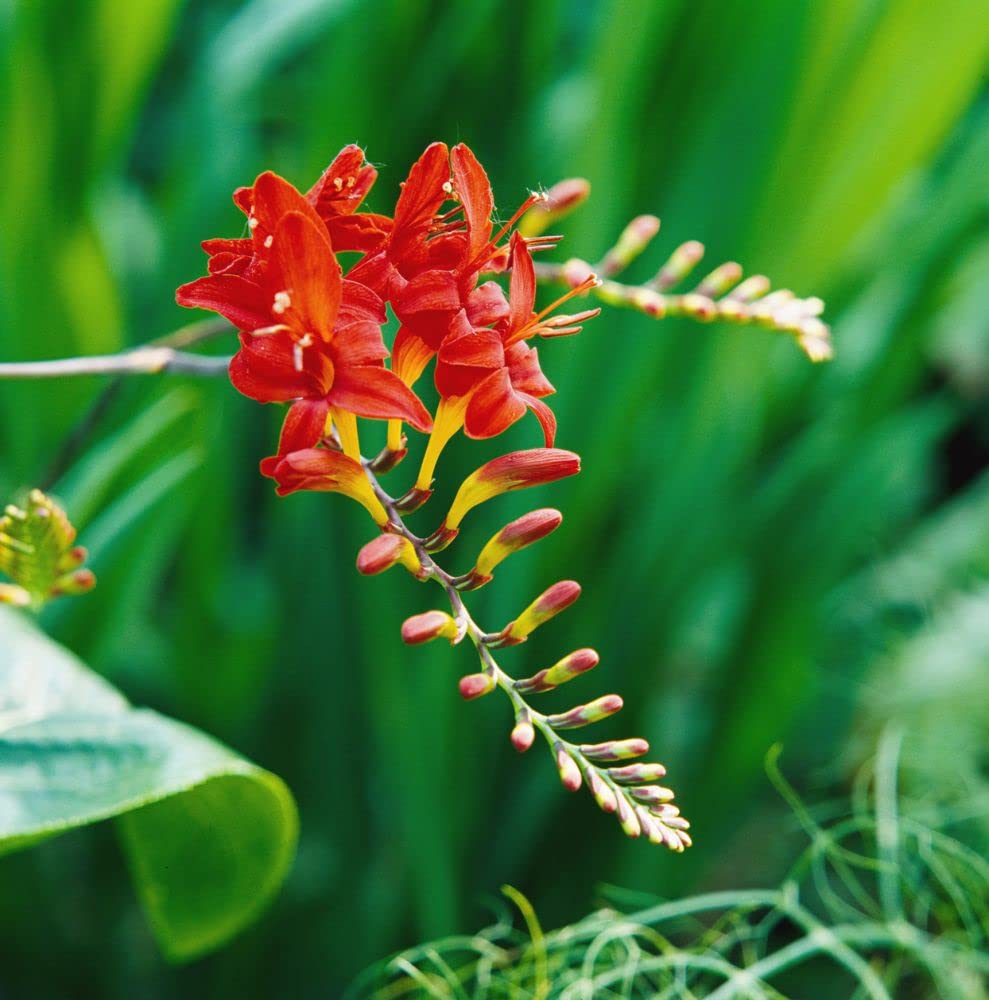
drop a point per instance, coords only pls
(310, 335)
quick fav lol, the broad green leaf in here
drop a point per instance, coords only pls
(208, 835)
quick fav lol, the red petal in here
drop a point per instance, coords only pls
(522, 285)
(544, 415)
(213, 247)
(264, 369)
(422, 194)
(311, 275)
(487, 304)
(358, 343)
(527, 376)
(430, 291)
(493, 407)
(304, 425)
(379, 394)
(270, 199)
(356, 179)
(238, 300)
(474, 189)
(358, 303)
(363, 232)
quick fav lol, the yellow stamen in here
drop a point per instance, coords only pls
(449, 419)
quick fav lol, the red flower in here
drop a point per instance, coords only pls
(310, 335)
(489, 378)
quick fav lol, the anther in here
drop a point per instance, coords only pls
(282, 302)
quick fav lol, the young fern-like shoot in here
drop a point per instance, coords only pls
(464, 292)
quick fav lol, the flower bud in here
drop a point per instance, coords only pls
(637, 774)
(572, 665)
(514, 537)
(523, 736)
(603, 795)
(577, 272)
(388, 458)
(569, 772)
(584, 715)
(814, 339)
(514, 471)
(627, 818)
(635, 237)
(682, 261)
(653, 794)
(715, 284)
(750, 289)
(12, 594)
(324, 470)
(559, 201)
(547, 605)
(475, 685)
(649, 301)
(428, 626)
(615, 750)
(385, 551)
(72, 559)
(696, 306)
(81, 581)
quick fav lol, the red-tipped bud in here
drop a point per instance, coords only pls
(523, 736)
(572, 665)
(615, 750)
(79, 582)
(514, 537)
(569, 772)
(682, 261)
(602, 793)
(653, 794)
(559, 201)
(515, 471)
(76, 556)
(696, 306)
(547, 605)
(385, 551)
(637, 774)
(428, 626)
(627, 818)
(635, 237)
(475, 685)
(718, 282)
(585, 715)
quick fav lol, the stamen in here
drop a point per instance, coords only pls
(252, 223)
(268, 240)
(338, 183)
(448, 189)
(282, 302)
(351, 181)
(297, 356)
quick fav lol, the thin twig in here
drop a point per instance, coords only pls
(142, 361)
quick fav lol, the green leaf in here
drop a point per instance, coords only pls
(209, 836)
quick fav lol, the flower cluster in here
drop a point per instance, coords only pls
(312, 336)
(463, 289)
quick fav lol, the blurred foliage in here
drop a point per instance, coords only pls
(208, 836)
(879, 904)
(770, 550)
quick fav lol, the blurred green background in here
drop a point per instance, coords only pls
(770, 551)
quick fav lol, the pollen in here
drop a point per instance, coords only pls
(252, 223)
(448, 187)
(351, 181)
(338, 183)
(282, 302)
(268, 240)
